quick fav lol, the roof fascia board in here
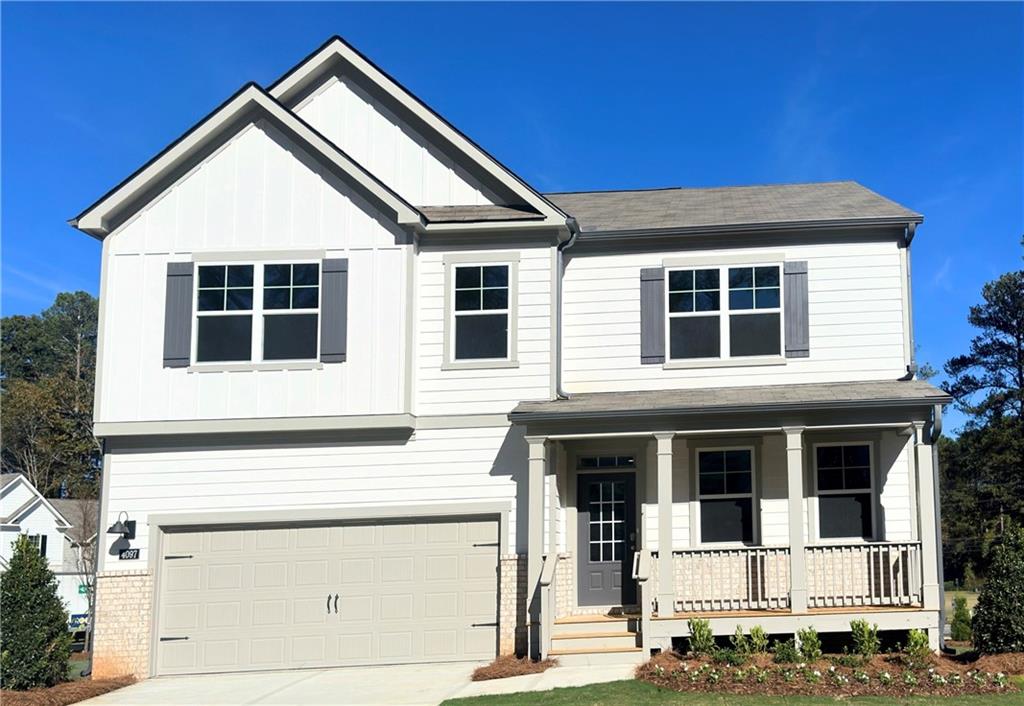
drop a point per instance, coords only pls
(855, 223)
(104, 215)
(293, 85)
(532, 417)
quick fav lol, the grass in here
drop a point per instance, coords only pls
(638, 693)
(971, 596)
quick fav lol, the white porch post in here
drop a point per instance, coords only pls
(795, 484)
(666, 582)
(927, 526)
(537, 467)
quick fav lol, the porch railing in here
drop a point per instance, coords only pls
(748, 578)
(883, 573)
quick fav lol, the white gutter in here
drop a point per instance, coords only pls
(574, 231)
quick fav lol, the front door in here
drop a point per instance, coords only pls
(606, 538)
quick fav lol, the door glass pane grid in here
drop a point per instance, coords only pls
(607, 521)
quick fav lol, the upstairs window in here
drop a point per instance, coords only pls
(246, 313)
(724, 312)
(39, 542)
(845, 491)
(725, 487)
(481, 312)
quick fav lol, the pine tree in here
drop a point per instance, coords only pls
(35, 644)
(998, 623)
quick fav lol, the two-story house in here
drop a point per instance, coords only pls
(370, 398)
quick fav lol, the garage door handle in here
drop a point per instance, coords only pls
(484, 625)
(178, 556)
(172, 639)
(335, 603)
(485, 544)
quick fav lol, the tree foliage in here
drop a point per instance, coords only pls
(34, 640)
(47, 363)
(998, 623)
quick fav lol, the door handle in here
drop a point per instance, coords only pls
(328, 604)
(335, 603)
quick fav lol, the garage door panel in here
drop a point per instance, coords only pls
(263, 598)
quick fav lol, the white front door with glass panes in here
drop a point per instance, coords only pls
(724, 312)
(257, 313)
(725, 489)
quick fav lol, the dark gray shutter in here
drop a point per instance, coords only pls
(333, 310)
(652, 315)
(797, 325)
(178, 315)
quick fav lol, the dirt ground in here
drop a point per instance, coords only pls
(67, 693)
(511, 666)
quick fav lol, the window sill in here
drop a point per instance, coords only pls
(479, 364)
(723, 363)
(252, 367)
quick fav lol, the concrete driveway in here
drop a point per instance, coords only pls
(398, 684)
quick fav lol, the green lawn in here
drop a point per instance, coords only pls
(637, 693)
(972, 600)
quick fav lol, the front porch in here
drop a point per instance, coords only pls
(786, 527)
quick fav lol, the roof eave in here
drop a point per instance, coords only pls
(844, 223)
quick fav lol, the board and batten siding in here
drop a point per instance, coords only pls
(389, 148)
(440, 466)
(855, 311)
(483, 390)
(259, 191)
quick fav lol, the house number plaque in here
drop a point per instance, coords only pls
(126, 554)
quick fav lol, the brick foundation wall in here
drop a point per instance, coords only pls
(565, 585)
(123, 614)
(512, 601)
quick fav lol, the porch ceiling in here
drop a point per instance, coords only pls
(735, 400)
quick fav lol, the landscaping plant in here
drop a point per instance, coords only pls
(758, 640)
(739, 641)
(810, 644)
(702, 641)
(998, 624)
(865, 638)
(786, 652)
(960, 628)
(34, 640)
(917, 654)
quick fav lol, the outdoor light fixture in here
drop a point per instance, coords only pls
(123, 527)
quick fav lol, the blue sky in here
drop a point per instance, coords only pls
(921, 102)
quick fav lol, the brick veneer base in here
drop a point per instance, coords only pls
(123, 613)
(512, 600)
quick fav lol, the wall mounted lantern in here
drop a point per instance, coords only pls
(123, 526)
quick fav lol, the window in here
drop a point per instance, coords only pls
(481, 312)
(752, 296)
(592, 462)
(845, 495)
(39, 542)
(246, 313)
(607, 503)
(726, 492)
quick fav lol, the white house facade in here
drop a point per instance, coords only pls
(370, 398)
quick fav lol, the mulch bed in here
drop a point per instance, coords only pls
(946, 676)
(67, 693)
(510, 666)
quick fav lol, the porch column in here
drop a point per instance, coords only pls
(795, 484)
(666, 576)
(536, 470)
(927, 525)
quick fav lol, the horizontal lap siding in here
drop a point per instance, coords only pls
(437, 466)
(257, 192)
(391, 150)
(856, 321)
(487, 390)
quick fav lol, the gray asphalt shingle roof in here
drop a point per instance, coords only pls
(682, 208)
(728, 399)
(81, 513)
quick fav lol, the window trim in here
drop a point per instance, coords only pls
(755, 500)
(450, 262)
(872, 492)
(256, 360)
(724, 312)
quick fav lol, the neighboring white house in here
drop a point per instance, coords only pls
(371, 398)
(60, 528)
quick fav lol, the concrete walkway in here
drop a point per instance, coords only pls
(427, 684)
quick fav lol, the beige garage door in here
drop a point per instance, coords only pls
(237, 599)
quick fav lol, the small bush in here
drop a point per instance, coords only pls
(917, 654)
(960, 628)
(34, 640)
(810, 644)
(702, 641)
(758, 640)
(849, 660)
(865, 638)
(786, 652)
(998, 624)
(732, 657)
(739, 641)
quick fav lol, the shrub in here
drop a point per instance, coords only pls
(865, 638)
(758, 640)
(960, 628)
(998, 624)
(732, 657)
(739, 641)
(34, 640)
(810, 644)
(702, 642)
(786, 652)
(917, 654)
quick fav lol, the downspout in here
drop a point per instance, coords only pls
(912, 357)
(574, 231)
(935, 434)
